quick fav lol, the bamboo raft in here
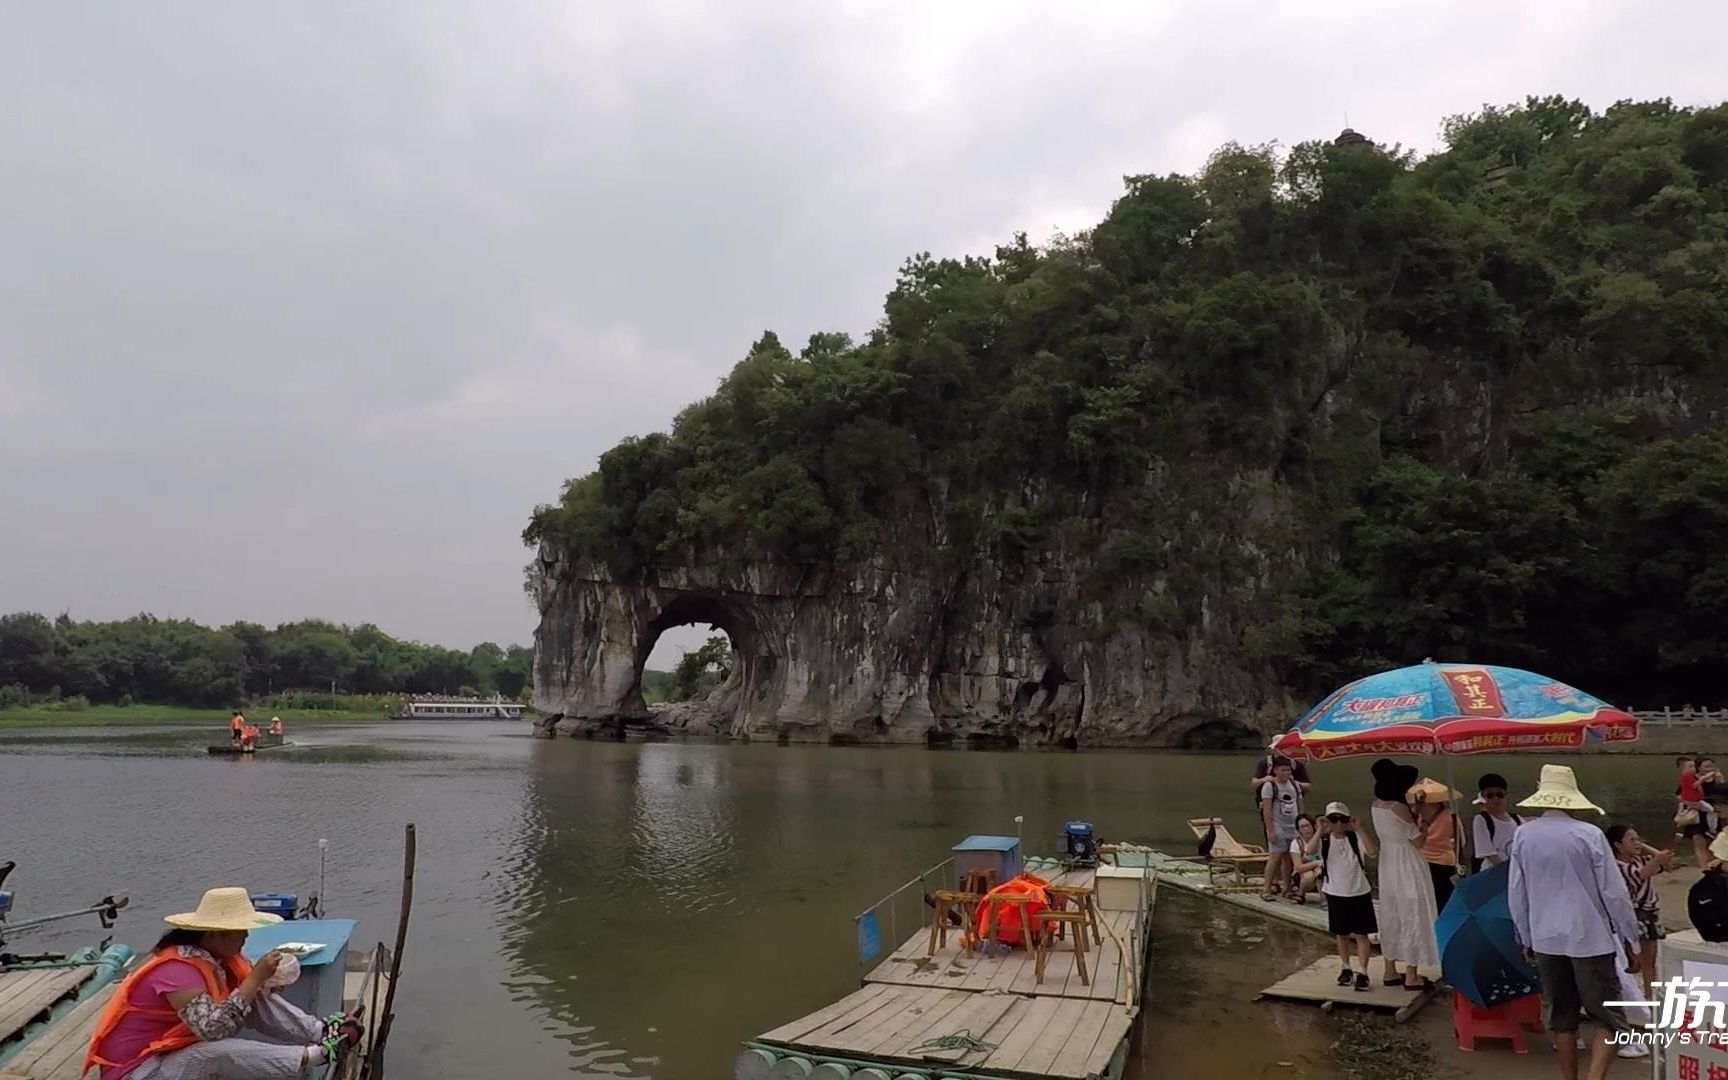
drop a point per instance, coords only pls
(920, 1016)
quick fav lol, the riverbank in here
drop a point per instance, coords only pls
(39, 716)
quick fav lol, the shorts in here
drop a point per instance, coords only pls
(1697, 828)
(1282, 834)
(1351, 914)
(1649, 925)
(1577, 986)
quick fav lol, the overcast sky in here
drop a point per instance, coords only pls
(304, 307)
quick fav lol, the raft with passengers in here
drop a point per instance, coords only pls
(245, 737)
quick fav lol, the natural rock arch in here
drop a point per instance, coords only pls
(870, 654)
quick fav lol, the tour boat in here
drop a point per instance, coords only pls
(441, 708)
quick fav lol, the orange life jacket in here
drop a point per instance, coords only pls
(1008, 928)
(235, 722)
(175, 1034)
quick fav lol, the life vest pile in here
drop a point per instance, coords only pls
(1009, 929)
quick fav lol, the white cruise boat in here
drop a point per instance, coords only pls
(450, 708)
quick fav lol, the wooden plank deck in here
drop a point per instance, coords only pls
(58, 1053)
(1193, 877)
(26, 996)
(1318, 982)
(910, 1002)
(1065, 1038)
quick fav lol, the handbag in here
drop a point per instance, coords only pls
(1687, 815)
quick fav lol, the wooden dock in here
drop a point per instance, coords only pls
(1192, 876)
(1318, 982)
(918, 1015)
(58, 1053)
(26, 995)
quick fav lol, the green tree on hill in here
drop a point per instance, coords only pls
(1482, 392)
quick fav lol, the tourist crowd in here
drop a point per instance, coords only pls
(1582, 897)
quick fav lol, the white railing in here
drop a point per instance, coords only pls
(1687, 715)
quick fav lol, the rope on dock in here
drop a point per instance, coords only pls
(960, 1040)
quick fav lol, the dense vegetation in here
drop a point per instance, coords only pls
(1480, 391)
(177, 661)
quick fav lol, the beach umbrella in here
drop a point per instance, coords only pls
(1479, 952)
(1449, 709)
(1453, 709)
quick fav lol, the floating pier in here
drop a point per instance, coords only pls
(965, 1013)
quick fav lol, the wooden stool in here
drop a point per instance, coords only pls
(993, 906)
(1085, 899)
(1048, 921)
(978, 881)
(945, 900)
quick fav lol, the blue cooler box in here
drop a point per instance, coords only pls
(998, 853)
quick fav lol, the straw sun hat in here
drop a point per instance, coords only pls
(1558, 790)
(224, 909)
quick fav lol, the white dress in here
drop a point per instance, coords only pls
(1406, 893)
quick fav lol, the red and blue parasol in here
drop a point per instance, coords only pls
(1453, 709)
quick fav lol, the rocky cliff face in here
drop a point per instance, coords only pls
(947, 650)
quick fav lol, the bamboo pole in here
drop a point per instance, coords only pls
(375, 1065)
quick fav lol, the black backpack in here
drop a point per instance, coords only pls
(1326, 849)
(1476, 860)
(1707, 904)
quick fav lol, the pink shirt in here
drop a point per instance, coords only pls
(136, 1031)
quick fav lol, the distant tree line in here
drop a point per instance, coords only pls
(181, 662)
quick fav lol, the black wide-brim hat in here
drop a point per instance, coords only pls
(1392, 780)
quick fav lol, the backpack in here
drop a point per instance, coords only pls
(1476, 860)
(1707, 904)
(1489, 820)
(1326, 848)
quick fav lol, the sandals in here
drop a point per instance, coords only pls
(1299, 898)
(1421, 987)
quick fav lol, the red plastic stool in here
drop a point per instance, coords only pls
(1471, 1022)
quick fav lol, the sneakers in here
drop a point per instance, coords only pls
(1362, 982)
(1345, 975)
(342, 1034)
(1633, 1050)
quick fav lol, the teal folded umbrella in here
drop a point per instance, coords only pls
(1479, 952)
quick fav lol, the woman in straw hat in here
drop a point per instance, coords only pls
(1431, 802)
(1406, 886)
(177, 1016)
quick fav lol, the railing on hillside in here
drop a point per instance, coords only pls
(1685, 716)
(886, 914)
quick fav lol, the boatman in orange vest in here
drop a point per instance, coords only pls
(236, 726)
(177, 1017)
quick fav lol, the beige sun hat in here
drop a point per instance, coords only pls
(224, 909)
(1719, 846)
(1429, 790)
(1558, 790)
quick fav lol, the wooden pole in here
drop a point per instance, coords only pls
(375, 1065)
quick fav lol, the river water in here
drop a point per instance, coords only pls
(636, 909)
